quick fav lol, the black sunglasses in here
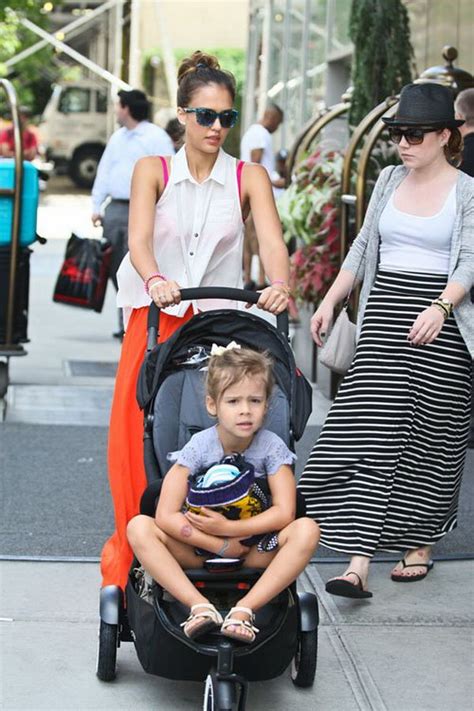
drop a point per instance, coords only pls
(207, 117)
(413, 136)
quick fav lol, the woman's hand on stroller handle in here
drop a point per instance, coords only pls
(165, 293)
(273, 298)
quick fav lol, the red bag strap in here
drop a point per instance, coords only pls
(165, 170)
(240, 166)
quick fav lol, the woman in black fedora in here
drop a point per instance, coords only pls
(386, 471)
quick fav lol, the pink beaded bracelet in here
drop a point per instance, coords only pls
(278, 281)
(153, 276)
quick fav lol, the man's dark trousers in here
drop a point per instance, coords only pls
(115, 224)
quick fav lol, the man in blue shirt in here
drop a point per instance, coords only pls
(136, 138)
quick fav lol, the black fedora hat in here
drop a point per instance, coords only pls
(430, 105)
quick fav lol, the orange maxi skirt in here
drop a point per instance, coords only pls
(127, 476)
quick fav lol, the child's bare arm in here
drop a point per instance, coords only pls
(169, 517)
(280, 514)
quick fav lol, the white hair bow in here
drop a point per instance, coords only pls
(219, 350)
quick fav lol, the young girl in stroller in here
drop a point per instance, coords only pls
(239, 384)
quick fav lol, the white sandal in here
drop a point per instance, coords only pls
(210, 618)
(246, 624)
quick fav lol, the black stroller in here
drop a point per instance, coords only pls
(171, 392)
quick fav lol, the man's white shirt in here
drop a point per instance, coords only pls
(125, 147)
(257, 137)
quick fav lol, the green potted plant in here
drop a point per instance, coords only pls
(309, 211)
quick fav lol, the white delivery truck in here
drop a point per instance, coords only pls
(73, 128)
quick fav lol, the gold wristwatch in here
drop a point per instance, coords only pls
(444, 305)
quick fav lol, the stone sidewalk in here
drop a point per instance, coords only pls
(408, 649)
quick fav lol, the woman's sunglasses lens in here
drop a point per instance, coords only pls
(413, 136)
(228, 119)
(206, 117)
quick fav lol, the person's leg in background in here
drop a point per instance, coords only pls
(251, 250)
(292, 307)
(115, 225)
(247, 257)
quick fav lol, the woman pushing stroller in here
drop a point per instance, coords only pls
(185, 230)
(239, 384)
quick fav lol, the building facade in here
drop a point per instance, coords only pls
(299, 52)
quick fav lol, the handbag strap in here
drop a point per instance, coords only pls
(347, 299)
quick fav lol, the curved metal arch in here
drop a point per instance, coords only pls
(311, 130)
(295, 149)
(347, 198)
(15, 194)
(363, 162)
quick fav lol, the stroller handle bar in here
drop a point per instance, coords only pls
(210, 292)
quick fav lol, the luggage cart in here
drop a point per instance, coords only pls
(16, 292)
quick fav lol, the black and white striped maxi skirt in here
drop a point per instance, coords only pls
(386, 470)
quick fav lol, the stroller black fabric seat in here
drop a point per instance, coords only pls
(208, 575)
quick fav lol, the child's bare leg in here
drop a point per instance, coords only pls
(296, 545)
(164, 559)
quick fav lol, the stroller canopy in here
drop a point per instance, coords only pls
(221, 327)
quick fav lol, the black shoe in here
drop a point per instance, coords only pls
(119, 334)
(412, 578)
(249, 285)
(345, 588)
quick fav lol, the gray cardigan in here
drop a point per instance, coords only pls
(461, 262)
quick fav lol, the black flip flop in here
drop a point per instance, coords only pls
(412, 578)
(346, 589)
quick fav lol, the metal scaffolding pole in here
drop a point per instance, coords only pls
(118, 39)
(89, 64)
(134, 66)
(168, 55)
(266, 49)
(64, 31)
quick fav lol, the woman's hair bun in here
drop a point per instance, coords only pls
(198, 60)
(197, 71)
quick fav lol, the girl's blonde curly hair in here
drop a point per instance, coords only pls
(233, 365)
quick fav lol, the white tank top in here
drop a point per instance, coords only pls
(417, 244)
(197, 237)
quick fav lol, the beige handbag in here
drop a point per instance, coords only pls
(338, 351)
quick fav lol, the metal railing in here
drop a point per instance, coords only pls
(9, 348)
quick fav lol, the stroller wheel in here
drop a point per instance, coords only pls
(220, 694)
(303, 666)
(107, 651)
